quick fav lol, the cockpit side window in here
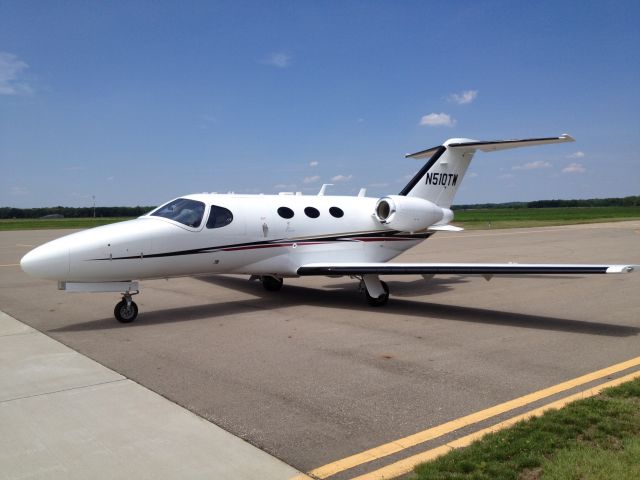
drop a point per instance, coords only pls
(182, 210)
(219, 217)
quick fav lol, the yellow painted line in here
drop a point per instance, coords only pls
(11, 265)
(448, 427)
(406, 465)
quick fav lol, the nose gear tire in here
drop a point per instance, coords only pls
(126, 313)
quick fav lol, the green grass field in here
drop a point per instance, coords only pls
(596, 438)
(55, 223)
(538, 217)
(469, 219)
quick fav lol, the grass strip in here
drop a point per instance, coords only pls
(605, 429)
(56, 223)
(480, 219)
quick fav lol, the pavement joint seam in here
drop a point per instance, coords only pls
(28, 332)
(63, 390)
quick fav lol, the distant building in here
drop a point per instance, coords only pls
(53, 215)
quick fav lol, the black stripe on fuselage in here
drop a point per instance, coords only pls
(423, 171)
(387, 235)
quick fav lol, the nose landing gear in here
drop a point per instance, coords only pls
(126, 310)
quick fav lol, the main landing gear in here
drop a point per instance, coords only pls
(376, 291)
(126, 310)
(271, 284)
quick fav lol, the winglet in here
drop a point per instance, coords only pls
(621, 268)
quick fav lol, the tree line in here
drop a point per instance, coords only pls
(85, 212)
(631, 201)
(72, 212)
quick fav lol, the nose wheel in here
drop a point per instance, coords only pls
(126, 310)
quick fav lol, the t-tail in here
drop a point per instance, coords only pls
(438, 180)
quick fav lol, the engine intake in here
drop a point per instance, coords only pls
(409, 214)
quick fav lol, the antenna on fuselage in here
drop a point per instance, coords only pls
(324, 188)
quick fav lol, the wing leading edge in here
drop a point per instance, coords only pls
(329, 269)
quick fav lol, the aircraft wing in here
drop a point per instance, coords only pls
(332, 269)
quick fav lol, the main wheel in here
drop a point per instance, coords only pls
(271, 284)
(381, 300)
(126, 313)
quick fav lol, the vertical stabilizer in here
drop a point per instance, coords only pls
(440, 177)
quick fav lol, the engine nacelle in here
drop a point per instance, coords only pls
(409, 214)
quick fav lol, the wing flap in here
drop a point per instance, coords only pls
(458, 269)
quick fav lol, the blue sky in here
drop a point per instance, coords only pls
(139, 102)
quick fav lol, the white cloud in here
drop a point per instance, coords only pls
(360, 120)
(574, 168)
(278, 59)
(437, 120)
(463, 98)
(285, 185)
(313, 164)
(507, 176)
(472, 175)
(11, 68)
(19, 191)
(341, 178)
(532, 165)
(378, 185)
(577, 154)
(311, 179)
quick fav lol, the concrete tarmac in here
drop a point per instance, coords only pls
(64, 416)
(311, 374)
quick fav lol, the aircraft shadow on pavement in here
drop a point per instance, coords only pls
(414, 288)
(344, 295)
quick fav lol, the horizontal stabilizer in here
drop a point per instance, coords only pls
(492, 145)
(459, 269)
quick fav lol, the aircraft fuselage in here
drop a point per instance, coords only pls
(258, 240)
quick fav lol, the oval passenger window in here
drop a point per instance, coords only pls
(311, 212)
(219, 217)
(285, 212)
(336, 212)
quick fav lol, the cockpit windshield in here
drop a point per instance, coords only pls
(188, 212)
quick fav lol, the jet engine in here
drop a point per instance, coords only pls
(410, 214)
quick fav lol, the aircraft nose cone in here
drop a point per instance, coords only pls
(49, 261)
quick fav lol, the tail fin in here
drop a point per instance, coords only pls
(438, 180)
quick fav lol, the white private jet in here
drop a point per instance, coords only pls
(276, 236)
